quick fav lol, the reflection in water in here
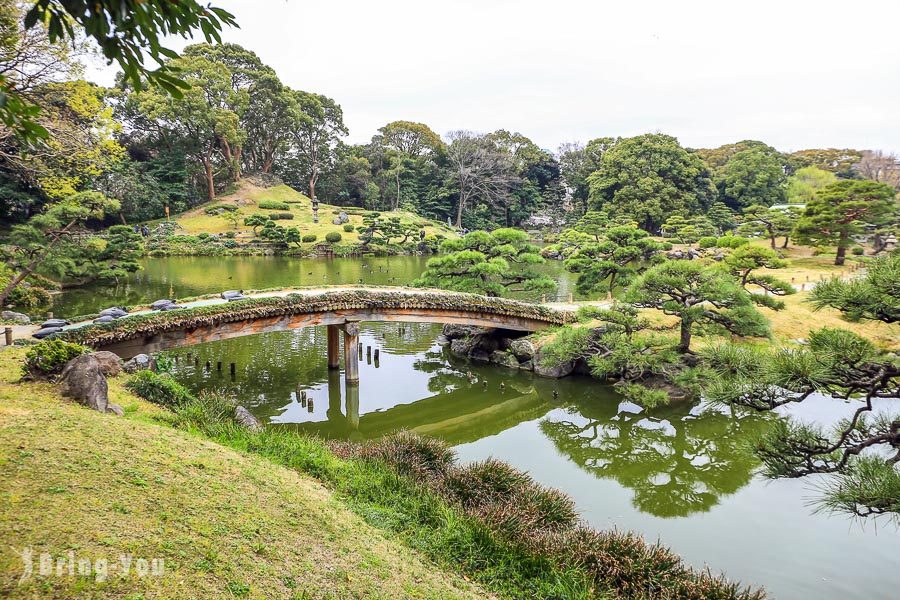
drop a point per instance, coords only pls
(678, 460)
(677, 474)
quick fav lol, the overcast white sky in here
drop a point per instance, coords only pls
(793, 73)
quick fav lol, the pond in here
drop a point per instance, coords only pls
(681, 474)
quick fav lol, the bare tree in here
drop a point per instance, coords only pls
(881, 167)
(481, 171)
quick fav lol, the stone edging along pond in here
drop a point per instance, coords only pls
(149, 324)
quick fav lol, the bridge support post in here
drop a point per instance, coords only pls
(334, 347)
(351, 360)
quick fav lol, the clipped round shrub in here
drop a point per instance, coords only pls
(273, 205)
(858, 251)
(159, 388)
(348, 227)
(50, 356)
(731, 241)
(708, 241)
(230, 243)
(308, 238)
(333, 237)
(230, 234)
(282, 216)
(203, 236)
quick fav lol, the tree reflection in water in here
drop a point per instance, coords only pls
(678, 459)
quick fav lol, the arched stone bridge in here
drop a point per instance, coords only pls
(340, 308)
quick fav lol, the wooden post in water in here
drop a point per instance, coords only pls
(351, 360)
(334, 344)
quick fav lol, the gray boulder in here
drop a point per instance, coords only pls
(113, 311)
(336, 221)
(161, 304)
(105, 319)
(462, 347)
(505, 359)
(244, 418)
(110, 363)
(114, 409)
(9, 315)
(557, 371)
(140, 362)
(522, 348)
(82, 381)
(527, 365)
(45, 331)
(54, 323)
(344, 217)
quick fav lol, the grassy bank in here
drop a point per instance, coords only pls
(227, 524)
(212, 218)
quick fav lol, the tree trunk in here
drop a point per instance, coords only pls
(238, 154)
(841, 255)
(459, 212)
(210, 180)
(772, 238)
(684, 345)
(314, 175)
(787, 239)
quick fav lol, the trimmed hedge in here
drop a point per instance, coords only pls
(348, 227)
(282, 216)
(273, 205)
(309, 237)
(333, 237)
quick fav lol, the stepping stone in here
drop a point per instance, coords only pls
(42, 333)
(54, 323)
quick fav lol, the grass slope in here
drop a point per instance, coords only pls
(227, 524)
(248, 196)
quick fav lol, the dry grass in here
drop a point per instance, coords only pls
(226, 524)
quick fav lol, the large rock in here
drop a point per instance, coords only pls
(561, 370)
(82, 381)
(462, 347)
(452, 331)
(110, 363)
(115, 312)
(140, 362)
(522, 348)
(244, 418)
(9, 315)
(45, 331)
(505, 359)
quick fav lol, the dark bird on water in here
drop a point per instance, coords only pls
(555, 394)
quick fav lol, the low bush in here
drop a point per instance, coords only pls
(731, 241)
(333, 237)
(309, 237)
(858, 251)
(217, 209)
(50, 356)
(348, 227)
(281, 216)
(159, 388)
(273, 205)
(708, 242)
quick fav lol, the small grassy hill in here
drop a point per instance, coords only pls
(247, 198)
(227, 524)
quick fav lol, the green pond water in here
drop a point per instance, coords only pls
(681, 474)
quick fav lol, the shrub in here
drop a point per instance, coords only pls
(203, 236)
(708, 241)
(333, 237)
(217, 209)
(50, 356)
(205, 412)
(282, 216)
(858, 251)
(731, 241)
(348, 227)
(308, 238)
(273, 205)
(159, 388)
(230, 234)
(230, 243)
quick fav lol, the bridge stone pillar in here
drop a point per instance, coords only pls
(351, 358)
(334, 347)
